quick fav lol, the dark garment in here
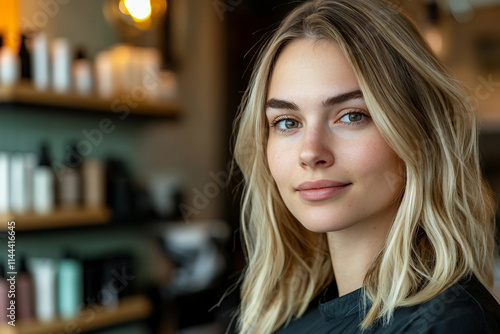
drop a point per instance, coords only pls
(466, 307)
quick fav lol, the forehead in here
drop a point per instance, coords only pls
(309, 68)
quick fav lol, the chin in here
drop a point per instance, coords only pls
(320, 226)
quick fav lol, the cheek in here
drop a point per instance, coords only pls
(377, 162)
(279, 162)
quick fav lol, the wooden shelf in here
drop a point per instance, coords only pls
(58, 218)
(91, 318)
(24, 93)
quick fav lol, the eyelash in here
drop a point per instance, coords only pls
(279, 119)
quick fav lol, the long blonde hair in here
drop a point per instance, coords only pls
(444, 228)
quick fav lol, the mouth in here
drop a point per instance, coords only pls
(321, 189)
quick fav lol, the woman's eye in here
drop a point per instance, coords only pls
(286, 124)
(353, 117)
(290, 123)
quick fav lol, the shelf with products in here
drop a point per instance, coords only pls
(129, 309)
(25, 93)
(59, 218)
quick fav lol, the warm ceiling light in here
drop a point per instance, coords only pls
(140, 10)
(132, 18)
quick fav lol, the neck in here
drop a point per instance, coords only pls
(353, 250)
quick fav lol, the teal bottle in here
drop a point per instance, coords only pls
(70, 286)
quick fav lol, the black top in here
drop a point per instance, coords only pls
(466, 307)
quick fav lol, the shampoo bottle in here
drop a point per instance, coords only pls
(70, 182)
(18, 183)
(44, 276)
(40, 61)
(82, 74)
(4, 182)
(43, 184)
(70, 286)
(61, 65)
(25, 299)
(25, 57)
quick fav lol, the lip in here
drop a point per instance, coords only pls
(321, 189)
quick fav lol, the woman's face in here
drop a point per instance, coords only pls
(332, 166)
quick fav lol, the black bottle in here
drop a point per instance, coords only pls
(25, 57)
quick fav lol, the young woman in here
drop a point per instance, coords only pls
(364, 207)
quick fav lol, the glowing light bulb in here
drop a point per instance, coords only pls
(140, 10)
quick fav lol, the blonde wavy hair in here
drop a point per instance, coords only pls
(444, 228)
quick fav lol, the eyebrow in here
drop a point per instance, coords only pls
(330, 102)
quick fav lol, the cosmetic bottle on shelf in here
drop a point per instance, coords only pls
(70, 286)
(9, 66)
(61, 65)
(70, 180)
(18, 183)
(4, 182)
(44, 276)
(94, 183)
(82, 74)
(31, 163)
(40, 61)
(103, 69)
(25, 57)
(43, 183)
(25, 299)
(22, 166)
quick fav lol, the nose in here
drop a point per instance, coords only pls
(316, 151)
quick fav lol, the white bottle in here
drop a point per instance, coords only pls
(104, 75)
(40, 61)
(4, 182)
(21, 182)
(61, 65)
(9, 67)
(43, 193)
(44, 276)
(43, 184)
(82, 74)
(18, 183)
